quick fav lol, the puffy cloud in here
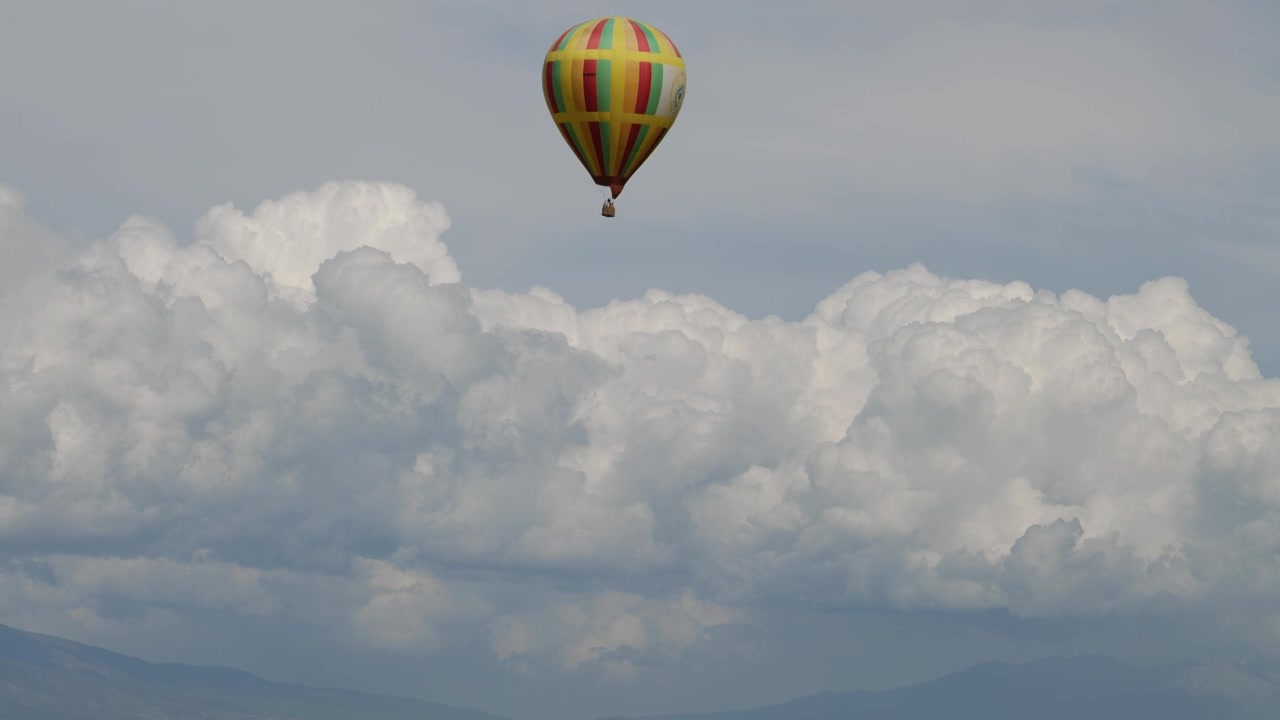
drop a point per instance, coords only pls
(374, 602)
(286, 240)
(38, 249)
(304, 413)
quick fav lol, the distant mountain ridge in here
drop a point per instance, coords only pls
(49, 678)
(1093, 687)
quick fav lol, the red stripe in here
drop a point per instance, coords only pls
(560, 39)
(642, 41)
(595, 140)
(596, 32)
(564, 132)
(642, 94)
(589, 84)
(549, 88)
(631, 143)
(652, 146)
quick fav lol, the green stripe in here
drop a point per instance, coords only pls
(569, 35)
(653, 41)
(604, 83)
(555, 86)
(655, 87)
(606, 37)
(626, 169)
(577, 144)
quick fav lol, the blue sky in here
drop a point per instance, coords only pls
(694, 447)
(1095, 147)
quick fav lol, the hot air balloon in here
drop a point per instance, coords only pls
(614, 87)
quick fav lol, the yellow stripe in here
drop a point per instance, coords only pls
(576, 116)
(588, 147)
(579, 100)
(646, 147)
(617, 96)
(574, 70)
(667, 45)
(579, 89)
(616, 56)
(663, 47)
(633, 84)
(566, 85)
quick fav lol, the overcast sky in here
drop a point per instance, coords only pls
(930, 335)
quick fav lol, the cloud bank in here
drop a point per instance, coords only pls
(305, 414)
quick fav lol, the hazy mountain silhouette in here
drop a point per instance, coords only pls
(1084, 688)
(48, 678)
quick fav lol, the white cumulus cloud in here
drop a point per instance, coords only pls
(304, 413)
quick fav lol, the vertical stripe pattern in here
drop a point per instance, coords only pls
(614, 87)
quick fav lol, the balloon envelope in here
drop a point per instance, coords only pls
(614, 87)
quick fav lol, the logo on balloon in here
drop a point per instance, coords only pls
(677, 96)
